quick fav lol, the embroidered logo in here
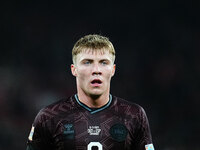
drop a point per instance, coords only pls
(94, 130)
(118, 132)
(69, 131)
(30, 137)
(149, 147)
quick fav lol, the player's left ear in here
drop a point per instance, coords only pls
(73, 70)
(113, 70)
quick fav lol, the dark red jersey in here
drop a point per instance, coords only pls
(70, 125)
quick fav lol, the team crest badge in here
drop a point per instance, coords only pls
(118, 132)
(30, 137)
(149, 147)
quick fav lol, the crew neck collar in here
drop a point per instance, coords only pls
(92, 110)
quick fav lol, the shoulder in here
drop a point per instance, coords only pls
(122, 102)
(128, 107)
(62, 106)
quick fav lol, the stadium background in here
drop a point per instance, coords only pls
(158, 65)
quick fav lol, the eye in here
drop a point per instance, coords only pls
(87, 62)
(104, 62)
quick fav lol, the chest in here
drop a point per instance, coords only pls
(94, 132)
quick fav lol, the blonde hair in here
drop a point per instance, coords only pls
(93, 42)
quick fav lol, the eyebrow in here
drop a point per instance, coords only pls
(88, 59)
(104, 60)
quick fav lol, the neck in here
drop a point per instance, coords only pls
(93, 101)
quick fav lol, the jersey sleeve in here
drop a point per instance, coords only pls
(39, 137)
(144, 139)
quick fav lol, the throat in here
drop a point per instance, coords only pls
(94, 101)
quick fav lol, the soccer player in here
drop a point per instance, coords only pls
(92, 119)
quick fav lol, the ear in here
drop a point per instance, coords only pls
(73, 70)
(114, 68)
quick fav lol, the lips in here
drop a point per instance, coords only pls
(96, 82)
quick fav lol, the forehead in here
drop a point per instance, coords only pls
(94, 54)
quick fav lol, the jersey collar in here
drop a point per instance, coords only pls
(96, 110)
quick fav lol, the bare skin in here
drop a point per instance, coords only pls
(93, 72)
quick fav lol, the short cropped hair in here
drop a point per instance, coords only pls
(93, 42)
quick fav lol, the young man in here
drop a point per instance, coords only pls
(92, 119)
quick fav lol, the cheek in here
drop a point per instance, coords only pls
(82, 74)
(109, 73)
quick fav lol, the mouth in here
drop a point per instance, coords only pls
(96, 82)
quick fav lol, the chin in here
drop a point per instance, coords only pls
(96, 93)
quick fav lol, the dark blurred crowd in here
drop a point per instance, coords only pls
(158, 65)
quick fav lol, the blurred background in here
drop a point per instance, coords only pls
(158, 66)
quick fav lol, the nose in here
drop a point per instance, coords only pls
(96, 70)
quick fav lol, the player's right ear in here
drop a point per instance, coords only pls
(73, 70)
